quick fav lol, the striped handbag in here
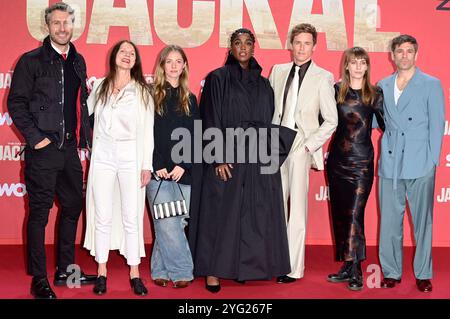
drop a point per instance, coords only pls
(169, 209)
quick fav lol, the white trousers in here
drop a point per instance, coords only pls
(295, 180)
(115, 162)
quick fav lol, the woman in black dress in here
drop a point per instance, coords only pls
(350, 166)
(241, 230)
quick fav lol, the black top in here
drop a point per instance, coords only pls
(163, 128)
(71, 87)
(352, 140)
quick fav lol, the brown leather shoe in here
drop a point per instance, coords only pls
(161, 282)
(181, 284)
(390, 282)
(424, 285)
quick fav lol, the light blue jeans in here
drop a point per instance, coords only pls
(171, 256)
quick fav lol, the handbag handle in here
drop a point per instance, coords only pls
(159, 186)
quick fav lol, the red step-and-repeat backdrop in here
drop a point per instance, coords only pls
(203, 28)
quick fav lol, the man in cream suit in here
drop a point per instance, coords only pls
(302, 92)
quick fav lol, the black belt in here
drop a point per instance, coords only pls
(68, 136)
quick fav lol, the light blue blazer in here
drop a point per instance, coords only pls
(411, 143)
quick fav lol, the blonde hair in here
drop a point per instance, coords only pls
(159, 84)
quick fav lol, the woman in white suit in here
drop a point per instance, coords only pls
(121, 164)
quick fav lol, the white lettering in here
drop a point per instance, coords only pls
(11, 152)
(18, 190)
(84, 154)
(324, 193)
(134, 15)
(169, 30)
(5, 80)
(5, 118)
(444, 197)
(374, 279)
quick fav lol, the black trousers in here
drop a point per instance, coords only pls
(51, 171)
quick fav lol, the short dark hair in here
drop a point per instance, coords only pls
(304, 28)
(403, 39)
(61, 6)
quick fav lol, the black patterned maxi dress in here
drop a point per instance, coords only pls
(350, 171)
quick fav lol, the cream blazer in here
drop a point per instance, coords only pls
(316, 95)
(144, 154)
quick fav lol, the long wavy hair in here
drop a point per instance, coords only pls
(368, 90)
(160, 84)
(105, 89)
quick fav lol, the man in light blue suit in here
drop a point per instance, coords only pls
(410, 150)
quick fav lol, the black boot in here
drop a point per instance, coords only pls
(356, 280)
(343, 274)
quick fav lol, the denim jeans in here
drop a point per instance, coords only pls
(171, 258)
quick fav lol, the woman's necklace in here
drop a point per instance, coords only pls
(117, 87)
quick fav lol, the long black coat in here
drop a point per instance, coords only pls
(239, 229)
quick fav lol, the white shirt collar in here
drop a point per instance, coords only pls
(58, 50)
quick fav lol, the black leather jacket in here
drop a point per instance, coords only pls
(36, 97)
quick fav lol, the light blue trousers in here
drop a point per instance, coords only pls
(420, 194)
(171, 257)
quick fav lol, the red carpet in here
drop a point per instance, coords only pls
(319, 262)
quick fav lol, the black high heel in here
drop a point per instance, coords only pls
(242, 282)
(100, 285)
(212, 288)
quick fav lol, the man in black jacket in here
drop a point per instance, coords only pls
(47, 102)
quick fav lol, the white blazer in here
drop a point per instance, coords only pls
(144, 155)
(316, 95)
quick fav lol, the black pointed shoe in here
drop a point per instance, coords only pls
(100, 285)
(343, 274)
(138, 286)
(212, 288)
(285, 279)
(40, 289)
(61, 278)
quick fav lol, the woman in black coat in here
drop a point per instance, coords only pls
(240, 228)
